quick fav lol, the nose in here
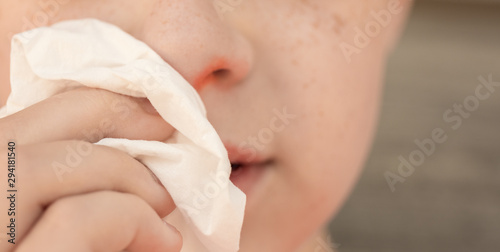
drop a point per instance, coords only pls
(191, 37)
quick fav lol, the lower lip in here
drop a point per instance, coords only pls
(246, 178)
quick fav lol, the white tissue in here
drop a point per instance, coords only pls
(193, 165)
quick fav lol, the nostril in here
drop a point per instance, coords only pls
(215, 71)
(221, 73)
(220, 76)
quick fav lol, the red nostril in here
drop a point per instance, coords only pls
(216, 71)
(221, 73)
(222, 76)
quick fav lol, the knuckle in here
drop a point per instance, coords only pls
(92, 100)
(134, 200)
(64, 211)
(135, 204)
(127, 200)
(106, 97)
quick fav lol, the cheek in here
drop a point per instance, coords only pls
(337, 107)
(323, 149)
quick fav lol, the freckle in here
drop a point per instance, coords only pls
(306, 85)
(295, 62)
(339, 20)
(321, 113)
(339, 23)
(316, 24)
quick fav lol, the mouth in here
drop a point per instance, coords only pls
(247, 168)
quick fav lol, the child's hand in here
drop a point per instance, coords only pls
(74, 196)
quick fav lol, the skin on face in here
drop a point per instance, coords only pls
(250, 63)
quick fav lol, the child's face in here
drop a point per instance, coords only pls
(277, 87)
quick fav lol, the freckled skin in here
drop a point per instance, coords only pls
(279, 54)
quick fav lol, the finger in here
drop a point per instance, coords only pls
(85, 114)
(101, 221)
(54, 170)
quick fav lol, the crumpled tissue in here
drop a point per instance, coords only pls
(193, 165)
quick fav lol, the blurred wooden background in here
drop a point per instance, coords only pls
(452, 201)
